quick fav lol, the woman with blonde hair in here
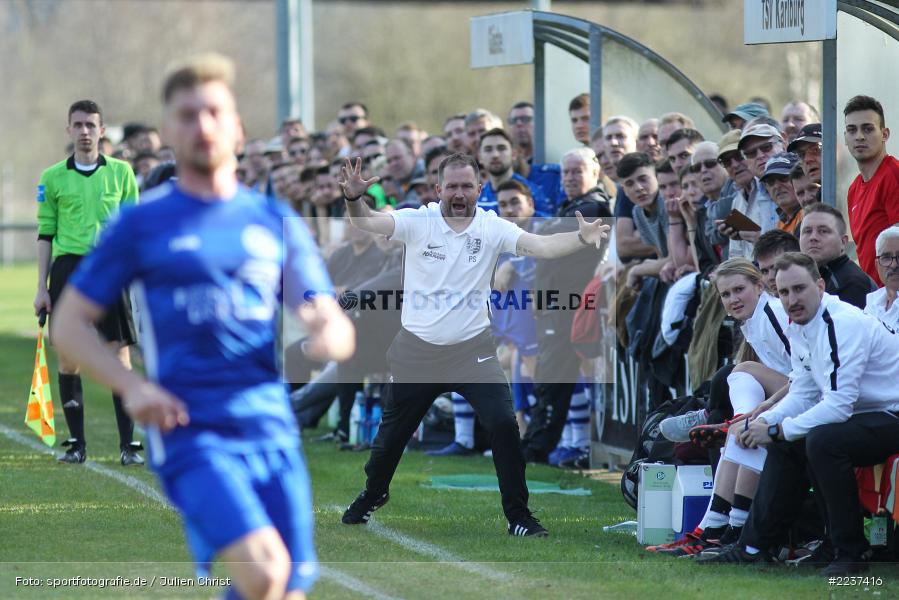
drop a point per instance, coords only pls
(741, 287)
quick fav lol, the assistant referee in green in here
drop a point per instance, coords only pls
(76, 197)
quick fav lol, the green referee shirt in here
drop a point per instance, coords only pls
(74, 205)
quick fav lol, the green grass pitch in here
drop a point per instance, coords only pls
(63, 521)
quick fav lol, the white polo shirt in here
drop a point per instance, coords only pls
(446, 275)
(876, 306)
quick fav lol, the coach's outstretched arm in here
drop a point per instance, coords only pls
(563, 244)
(74, 336)
(361, 216)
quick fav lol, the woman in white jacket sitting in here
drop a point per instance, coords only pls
(742, 289)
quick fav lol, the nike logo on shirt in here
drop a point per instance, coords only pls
(480, 360)
(432, 246)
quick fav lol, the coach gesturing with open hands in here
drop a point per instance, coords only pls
(445, 344)
(459, 212)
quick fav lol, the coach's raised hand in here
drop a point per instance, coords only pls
(351, 181)
(592, 232)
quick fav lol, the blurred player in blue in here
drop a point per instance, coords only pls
(206, 258)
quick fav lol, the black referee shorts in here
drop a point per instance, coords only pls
(117, 324)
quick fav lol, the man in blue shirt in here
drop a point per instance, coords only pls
(207, 257)
(496, 155)
(546, 176)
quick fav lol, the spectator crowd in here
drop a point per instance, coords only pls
(733, 278)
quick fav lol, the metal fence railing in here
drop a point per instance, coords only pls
(17, 242)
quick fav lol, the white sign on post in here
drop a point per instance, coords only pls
(778, 21)
(502, 40)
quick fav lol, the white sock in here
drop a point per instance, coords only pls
(703, 523)
(752, 550)
(738, 517)
(579, 419)
(713, 519)
(746, 393)
(463, 419)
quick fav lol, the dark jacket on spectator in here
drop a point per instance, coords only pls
(845, 279)
(719, 210)
(705, 249)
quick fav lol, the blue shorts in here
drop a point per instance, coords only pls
(523, 396)
(222, 496)
(522, 390)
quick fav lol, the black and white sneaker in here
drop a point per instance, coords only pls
(734, 554)
(76, 453)
(527, 526)
(130, 456)
(359, 512)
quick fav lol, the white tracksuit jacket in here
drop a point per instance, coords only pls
(765, 331)
(844, 363)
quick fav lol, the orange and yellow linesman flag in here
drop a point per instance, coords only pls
(39, 415)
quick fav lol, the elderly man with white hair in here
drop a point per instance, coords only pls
(882, 303)
(717, 189)
(698, 231)
(557, 364)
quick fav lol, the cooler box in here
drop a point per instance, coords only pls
(654, 504)
(690, 497)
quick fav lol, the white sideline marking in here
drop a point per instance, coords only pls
(338, 577)
(427, 549)
(351, 583)
(127, 480)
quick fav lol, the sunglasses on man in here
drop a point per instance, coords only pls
(727, 160)
(709, 163)
(763, 148)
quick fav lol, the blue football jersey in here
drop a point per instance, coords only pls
(210, 277)
(487, 200)
(547, 177)
(511, 317)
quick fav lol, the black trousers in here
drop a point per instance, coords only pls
(557, 372)
(720, 408)
(419, 373)
(826, 459)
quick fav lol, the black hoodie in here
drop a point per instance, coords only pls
(846, 280)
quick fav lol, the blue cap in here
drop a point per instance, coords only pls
(781, 163)
(747, 112)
